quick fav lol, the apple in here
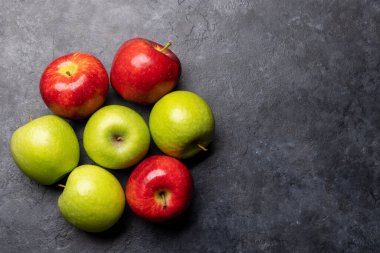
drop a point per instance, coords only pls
(45, 149)
(143, 71)
(75, 85)
(181, 124)
(92, 199)
(159, 189)
(116, 137)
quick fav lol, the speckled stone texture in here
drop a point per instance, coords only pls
(295, 88)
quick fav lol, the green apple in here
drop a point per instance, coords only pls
(116, 137)
(93, 199)
(45, 149)
(181, 124)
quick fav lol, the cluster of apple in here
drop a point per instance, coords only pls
(74, 87)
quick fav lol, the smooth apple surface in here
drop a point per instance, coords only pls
(116, 137)
(92, 200)
(182, 124)
(143, 71)
(159, 189)
(45, 149)
(75, 85)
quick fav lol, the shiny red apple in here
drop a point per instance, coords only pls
(160, 188)
(143, 71)
(75, 85)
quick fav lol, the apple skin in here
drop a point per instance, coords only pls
(159, 175)
(75, 85)
(93, 199)
(116, 137)
(141, 73)
(182, 124)
(45, 149)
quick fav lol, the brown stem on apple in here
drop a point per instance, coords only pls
(68, 73)
(163, 197)
(202, 148)
(30, 118)
(119, 138)
(61, 185)
(166, 47)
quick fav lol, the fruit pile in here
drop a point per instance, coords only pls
(75, 87)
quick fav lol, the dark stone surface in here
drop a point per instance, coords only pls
(295, 88)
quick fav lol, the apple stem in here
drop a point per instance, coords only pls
(163, 197)
(30, 118)
(68, 73)
(202, 147)
(166, 47)
(61, 185)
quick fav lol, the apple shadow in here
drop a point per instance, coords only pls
(58, 186)
(194, 161)
(189, 162)
(153, 149)
(122, 175)
(179, 223)
(114, 98)
(78, 126)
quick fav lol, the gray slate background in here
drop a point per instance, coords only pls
(295, 88)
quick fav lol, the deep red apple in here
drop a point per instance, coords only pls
(143, 71)
(159, 188)
(75, 85)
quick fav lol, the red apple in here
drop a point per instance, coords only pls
(75, 85)
(159, 189)
(143, 71)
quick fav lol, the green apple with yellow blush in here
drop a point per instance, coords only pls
(92, 200)
(45, 149)
(182, 124)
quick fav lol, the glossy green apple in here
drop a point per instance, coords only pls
(45, 149)
(92, 200)
(181, 124)
(116, 137)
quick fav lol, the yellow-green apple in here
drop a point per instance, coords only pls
(181, 124)
(92, 200)
(116, 137)
(143, 70)
(159, 189)
(45, 149)
(75, 85)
